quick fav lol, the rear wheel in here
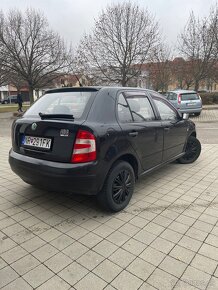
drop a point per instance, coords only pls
(192, 151)
(118, 188)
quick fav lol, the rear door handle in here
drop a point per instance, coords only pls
(167, 128)
(133, 134)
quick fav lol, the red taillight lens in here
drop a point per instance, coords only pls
(84, 149)
(179, 99)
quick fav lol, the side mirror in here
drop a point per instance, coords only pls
(185, 116)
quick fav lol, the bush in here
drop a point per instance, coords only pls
(209, 98)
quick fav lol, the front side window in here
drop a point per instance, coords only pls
(166, 112)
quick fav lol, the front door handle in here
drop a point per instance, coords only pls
(133, 134)
(167, 128)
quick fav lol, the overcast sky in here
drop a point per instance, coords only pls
(71, 18)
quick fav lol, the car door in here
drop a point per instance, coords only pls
(141, 128)
(175, 129)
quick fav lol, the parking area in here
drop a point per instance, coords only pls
(207, 116)
(167, 238)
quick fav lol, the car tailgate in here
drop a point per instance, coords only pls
(61, 133)
(190, 100)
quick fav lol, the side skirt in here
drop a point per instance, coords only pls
(161, 164)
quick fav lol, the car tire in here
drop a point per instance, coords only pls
(118, 187)
(192, 151)
(197, 114)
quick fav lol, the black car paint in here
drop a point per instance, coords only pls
(114, 141)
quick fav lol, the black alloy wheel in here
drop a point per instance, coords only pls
(192, 151)
(121, 186)
(118, 187)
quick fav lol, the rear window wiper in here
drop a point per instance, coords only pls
(56, 116)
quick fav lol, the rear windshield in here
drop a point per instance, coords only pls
(189, 97)
(69, 103)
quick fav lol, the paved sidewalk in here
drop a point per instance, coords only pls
(166, 239)
(206, 116)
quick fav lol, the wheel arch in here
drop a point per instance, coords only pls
(193, 134)
(131, 159)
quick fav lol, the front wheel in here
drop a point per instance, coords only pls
(197, 114)
(192, 151)
(118, 187)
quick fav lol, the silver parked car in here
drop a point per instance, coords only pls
(185, 101)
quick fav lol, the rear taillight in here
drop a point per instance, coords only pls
(84, 149)
(179, 99)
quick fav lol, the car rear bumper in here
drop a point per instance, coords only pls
(65, 177)
(191, 110)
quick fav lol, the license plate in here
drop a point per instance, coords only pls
(37, 142)
(191, 104)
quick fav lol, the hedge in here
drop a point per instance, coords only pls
(209, 98)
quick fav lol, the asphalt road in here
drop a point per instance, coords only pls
(207, 132)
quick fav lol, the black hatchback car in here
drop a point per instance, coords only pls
(98, 141)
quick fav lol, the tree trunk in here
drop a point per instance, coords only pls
(31, 94)
(124, 82)
(196, 85)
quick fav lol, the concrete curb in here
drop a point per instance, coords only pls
(212, 107)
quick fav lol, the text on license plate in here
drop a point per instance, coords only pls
(191, 104)
(38, 142)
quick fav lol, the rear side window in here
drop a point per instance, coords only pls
(134, 109)
(171, 96)
(73, 103)
(123, 110)
(189, 97)
(140, 108)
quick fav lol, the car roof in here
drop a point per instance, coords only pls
(182, 91)
(97, 88)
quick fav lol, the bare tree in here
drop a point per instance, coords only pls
(30, 49)
(159, 69)
(181, 73)
(213, 18)
(213, 76)
(2, 78)
(123, 36)
(197, 44)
